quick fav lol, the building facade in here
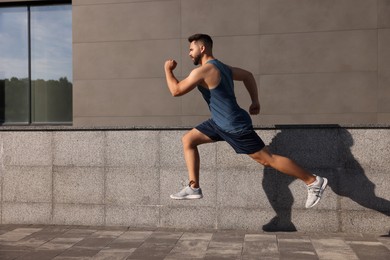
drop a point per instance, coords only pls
(315, 62)
(95, 68)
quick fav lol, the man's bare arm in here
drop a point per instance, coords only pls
(179, 88)
(250, 84)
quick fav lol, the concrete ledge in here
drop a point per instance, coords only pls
(104, 177)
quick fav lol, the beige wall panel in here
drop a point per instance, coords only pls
(384, 13)
(193, 104)
(281, 16)
(384, 91)
(192, 121)
(127, 97)
(130, 121)
(129, 21)
(220, 17)
(384, 49)
(319, 93)
(384, 71)
(384, 118)
(116, 60)
(242, 94)
(319, 52)
(93, 2)
(301, 119)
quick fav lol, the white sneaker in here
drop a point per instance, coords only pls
(188, 193)
(315, 190)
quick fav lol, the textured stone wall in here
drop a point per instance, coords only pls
(124, 177)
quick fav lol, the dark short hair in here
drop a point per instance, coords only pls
(204, 38)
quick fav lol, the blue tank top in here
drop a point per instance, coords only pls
(225, 111)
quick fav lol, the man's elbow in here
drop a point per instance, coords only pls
(176, 93)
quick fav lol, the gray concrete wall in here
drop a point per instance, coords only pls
(315, 61)
(124, 177)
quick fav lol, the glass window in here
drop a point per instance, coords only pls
(14, 71)
(51, 63)
(36, 64)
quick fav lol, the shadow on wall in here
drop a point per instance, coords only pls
(326, 152)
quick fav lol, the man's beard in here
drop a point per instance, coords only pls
(197, 59)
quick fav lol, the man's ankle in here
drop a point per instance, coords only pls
(193, 184)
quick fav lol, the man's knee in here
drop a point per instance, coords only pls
(264, 157)
(187, 140)
(264, 162)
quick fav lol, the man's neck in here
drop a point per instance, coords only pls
(206, 58)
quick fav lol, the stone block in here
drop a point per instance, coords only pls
(364, 190)
(27, 148)
(188, 217)
(132, 186)
(78, 214)
(310, 148)
(369, 149)
(132, 148)
(364, 222)
(26, 213)
(78, 185)
(79, 148)
(27, 184)
(243, 218)
(132, 216)
(316, 220)
(241, 188)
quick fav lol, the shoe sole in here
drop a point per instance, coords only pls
(323, 187)
(188, 197)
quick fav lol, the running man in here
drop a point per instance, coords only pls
(228, 122)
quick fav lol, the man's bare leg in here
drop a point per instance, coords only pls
(315, 184)
(191, 140)
(283, 164)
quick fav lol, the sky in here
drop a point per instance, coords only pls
(51, 42)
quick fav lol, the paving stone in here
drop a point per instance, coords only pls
(262, 246)
(41, 255)
(364, 249)
(151, 251)
(333, 248)
(107, 255)
(296, 249)
(18, 234)
(72, 243)
(94, 242)
(5, 255)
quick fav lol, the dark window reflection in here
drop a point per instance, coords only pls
(14, 83)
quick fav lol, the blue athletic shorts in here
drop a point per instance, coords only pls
(244, 142)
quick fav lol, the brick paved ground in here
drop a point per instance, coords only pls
(70, 242)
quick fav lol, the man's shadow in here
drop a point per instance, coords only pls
(326, 152)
